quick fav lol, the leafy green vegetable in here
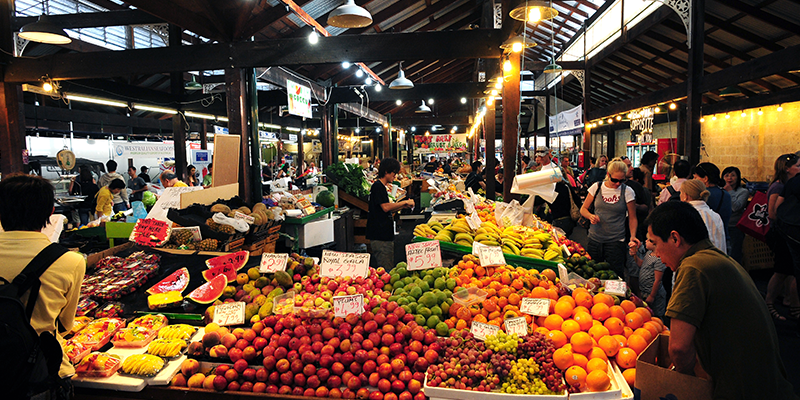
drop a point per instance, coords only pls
(350, 178)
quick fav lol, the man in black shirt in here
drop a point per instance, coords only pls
(432, 165)
(474, 179)
(380, 226)
(145, 177)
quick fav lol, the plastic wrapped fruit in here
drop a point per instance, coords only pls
(80, 323)
(179, 331)
(98, 365)
(167, 348)
(110, 310)
(143, 365)
(75, 351)
(98, 332)
(133, 336)
(150, 321)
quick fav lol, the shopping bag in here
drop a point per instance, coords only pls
(755, 220)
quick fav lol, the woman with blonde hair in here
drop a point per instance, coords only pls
(694, 192)
(614, 205)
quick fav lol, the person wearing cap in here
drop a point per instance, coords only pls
(169, 179)
(543, 157)
(143, 174)
(693, 191)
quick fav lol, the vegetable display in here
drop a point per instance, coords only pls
(350, 178)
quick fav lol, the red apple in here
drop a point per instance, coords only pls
(385, 370)
(323, 374)
(337, 368)
(376, 395)
(233, 387)
(321, 391)
(287, 378)
(382, 359)
(355, 368)
(414, 386)
(284, 389)
(299, 380)
(262, 375)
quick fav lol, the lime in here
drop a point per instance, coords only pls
(450, 284)
(399, 284)
(420, 320)
(428, 299)
(429, 279)
(415, 292)
(402, 301)
(407, 280)
(442, 329)
(440, 284)
(394, 278)
(413, 306)
(425, 286)
(407, 309)
(425, 312)
(436, 310)
(401, 271)
(393, 298)
(433, 320)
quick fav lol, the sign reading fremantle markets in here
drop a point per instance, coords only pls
(567, 123)
(642, 125)
(299, 99)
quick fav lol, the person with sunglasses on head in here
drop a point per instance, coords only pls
(719, 200)
(615, 205)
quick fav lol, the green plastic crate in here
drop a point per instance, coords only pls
(517, 261)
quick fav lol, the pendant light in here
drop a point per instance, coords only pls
(533, 11)
(422, 109)
(44, 31)
(731, 91)
(192, 85)
(401, 82)
(349, 15)
(517, 43)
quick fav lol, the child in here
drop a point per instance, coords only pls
(650, 273)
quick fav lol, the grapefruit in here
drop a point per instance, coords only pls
(176, 281)
(209, 291)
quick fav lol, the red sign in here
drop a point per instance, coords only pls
(150, 232)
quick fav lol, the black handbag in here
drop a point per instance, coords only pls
(583, 221)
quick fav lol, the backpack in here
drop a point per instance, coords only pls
(30, 362)
(674, 195)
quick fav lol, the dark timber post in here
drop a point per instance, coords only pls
(178, 126)
(693, 83)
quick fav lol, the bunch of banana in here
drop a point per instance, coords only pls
(142, 364)
(512, 241)
(167, 348)
(459, 225)
(464, 239)
(178, 331)
(488, 234)
(445, 235)
(435, 225)
(424, 230)
(553, 253)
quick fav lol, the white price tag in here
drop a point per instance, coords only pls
(346, 305)
(535, 307)
(271, 262)
(565, 250)
(481, 331)
(618, 288)
(246, 218)
(227, 314)
(476, 248)
(468, 206)
(516, 325)
(492, 255)
(423, 255)
(335, 263)
(562, 273)
(474, 221)
(196, 234)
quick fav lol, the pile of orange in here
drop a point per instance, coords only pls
(590, 329)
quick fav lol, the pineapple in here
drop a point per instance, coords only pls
(208, 245)
(181, 237)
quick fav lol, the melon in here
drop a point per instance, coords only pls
(326, 198)
(236, 260)
(209, 291)
(176, 281)
(229, 270)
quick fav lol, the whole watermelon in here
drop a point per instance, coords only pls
(148, 199)
(326, 198)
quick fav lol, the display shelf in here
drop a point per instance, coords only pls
(436, 393)
(309, 218)
(517, 261)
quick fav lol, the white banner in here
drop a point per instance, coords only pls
(299, 99)
(570, 122)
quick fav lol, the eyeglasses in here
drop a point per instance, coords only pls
(623, 158)
(616, 180)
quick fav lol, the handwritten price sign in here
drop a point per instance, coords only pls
(228, 314)
(492, 255)
(474, 221)
(423, 255)
(335, 263)
(271, 262)
(535, 307)
(563, 274)
(476, 248)
(618, 288)
(481, 331)
(150, 232)
(246, 218)
(346, 305)
(516, 325)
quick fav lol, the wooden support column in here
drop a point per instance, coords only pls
(489, 123)
(300, 153)
(327, 135)
(204, 135)
(546, 120)
(236, 91)
(693, 83)
(511, 97)
(255, 144)
(178, 126)
(12, 119)
(587, 106)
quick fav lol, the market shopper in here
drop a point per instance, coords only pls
(191, 176)
(208, 179)
(732, 178)
(694, 192)
(648, 164)
(136, 184)
(26, 203)
(169, 179)
(380, 226)
(717, 315)
(650, 278)
(84, 185)
(681, 169)
(104, 199)
(719, 200)
(788, 213)
(644, 198)
(121, 202)
(143, 174)
(431, 166)
(614, 207)
(787, 167)
(474, 179)
(597, 173)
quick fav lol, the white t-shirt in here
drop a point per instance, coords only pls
(612, 196)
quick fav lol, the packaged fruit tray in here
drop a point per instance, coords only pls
(613, 393)
(435, 393)
(517, 261)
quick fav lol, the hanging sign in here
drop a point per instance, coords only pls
(299, 99)
(271, 262)
(346, 305)
(228, 314)
(423, 255)
(150, 232)
(567, 123)
(336, 263)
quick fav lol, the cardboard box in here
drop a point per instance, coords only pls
(654, 379)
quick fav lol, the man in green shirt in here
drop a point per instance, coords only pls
(718, 315)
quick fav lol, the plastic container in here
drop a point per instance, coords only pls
(79, 323)
(146, 365)
(469, 296)
(133, 336)
(150, 321)
(98, 365)
(112, 309)
(98, 332)
(284, 303)
(178, 331)
(86, 307)
(75, 351)
(613, 393)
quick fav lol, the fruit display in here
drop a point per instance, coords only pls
(426, 294)
(164, 300)
(228, 265)
(115, 277)
(209, 291)
(177, 331)
(79, 323)
(167, 348)
(111, 309)
(176, 281)
(98, 365)
(86, 306)
(153, 322)
(75, 351)
(98, 332)
(587, 268)
(133, 336)
(142, 365)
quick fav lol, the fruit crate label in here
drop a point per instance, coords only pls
(196, 234)
(246, 218)
(618, 288)
(150, 232)
(227, 314)
(481, 331)
(492, 255)
(336, 263)
(535, 307)
(516, 325)
(423, 255)
(474, 221)
(271, 262)
(563, 274)
(346, 305)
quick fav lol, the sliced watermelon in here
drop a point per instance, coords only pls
(237, 260)
(209, 291)
(229, 270)
(176, 281)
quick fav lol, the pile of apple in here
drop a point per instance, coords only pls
(381, 355)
